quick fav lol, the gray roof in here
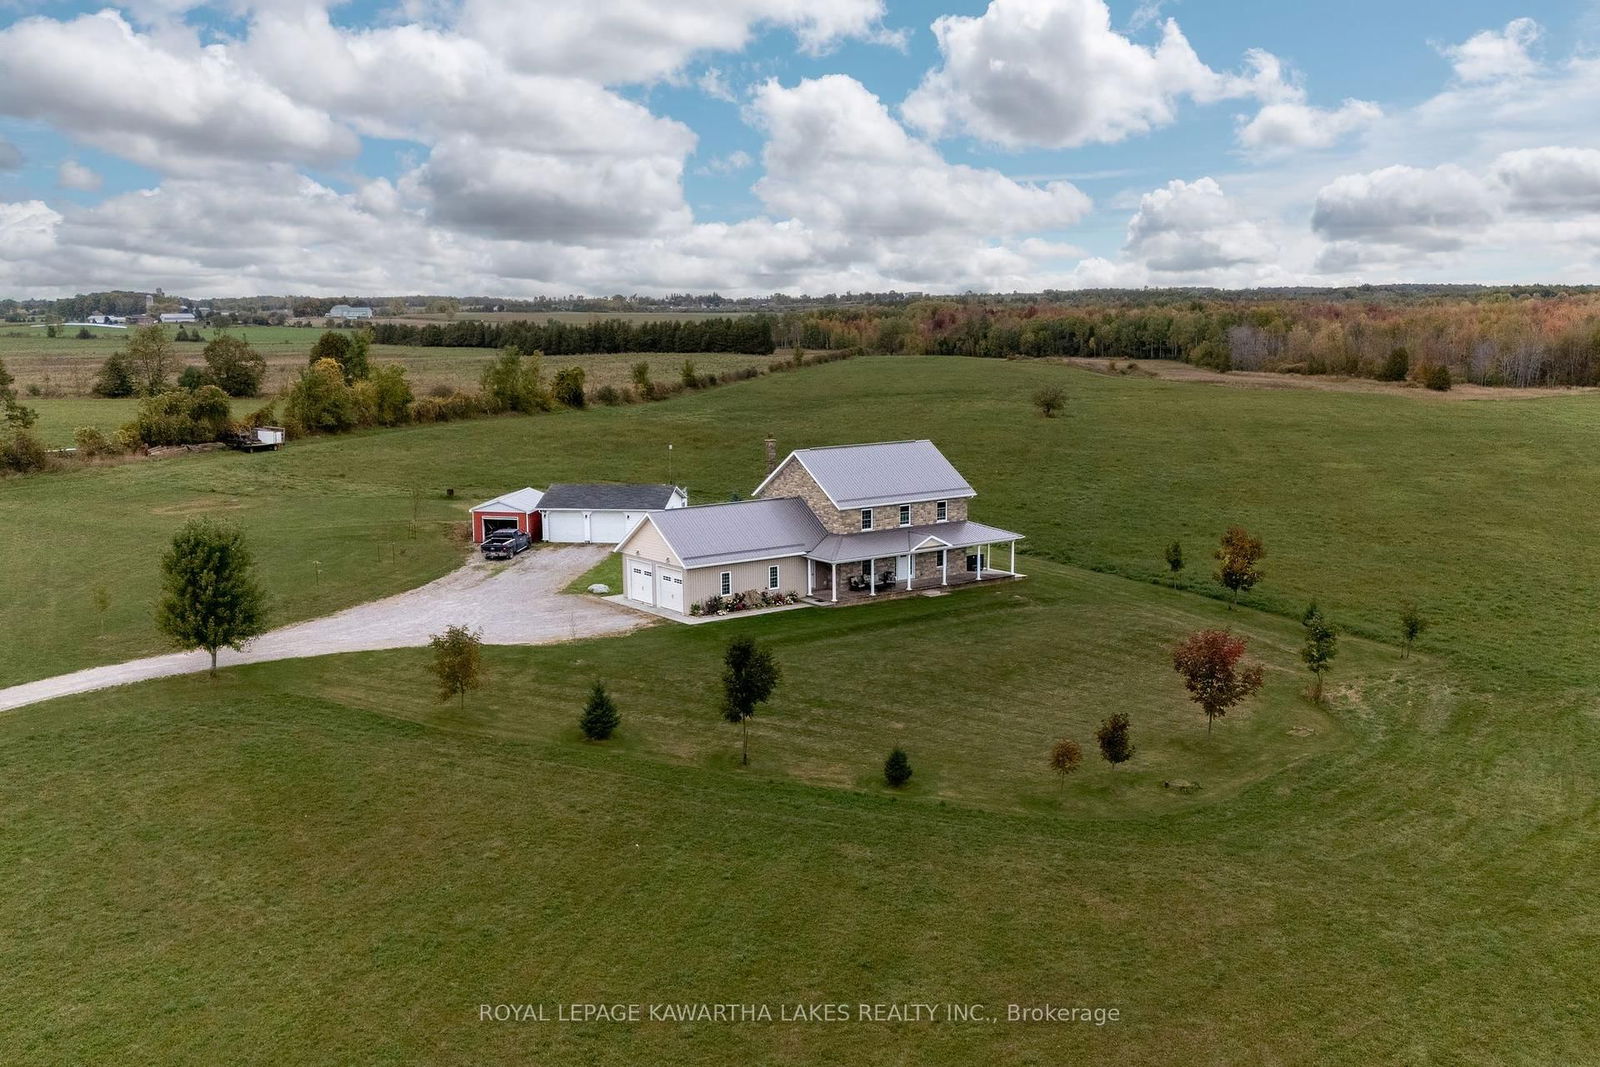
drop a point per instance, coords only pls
(605, 496)
(739, 531)
(522, 500)
(873, 544)
(889, 472)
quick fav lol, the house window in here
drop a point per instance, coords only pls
(905, 514)
(941, 557)
(866, 518)
(772, 576)
(941, 511)
(727, 583)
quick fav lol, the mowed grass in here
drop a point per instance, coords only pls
(65, 367)
(313, 860)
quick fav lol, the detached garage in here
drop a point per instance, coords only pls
(602, 513)
(514, 511)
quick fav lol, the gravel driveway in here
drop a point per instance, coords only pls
(516, 603)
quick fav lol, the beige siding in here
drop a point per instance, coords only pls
(646, 542)
(703, 582)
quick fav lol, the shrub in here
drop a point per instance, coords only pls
(180, 417)
(92, 442)
(607, 395)
(1396, 366)
(347, 350)
(1049, 399)
(897, 769)
(641, 380)
(447, 408)
(21, 452)
(191, 379)
(690, 379)
(568, 387)
(321, 401)
(384, 398)
(1437, 378)
(85, 334)
(600, 719)
(515, 382)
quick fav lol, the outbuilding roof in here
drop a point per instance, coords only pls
(739, 531)
(606, 496)
(526, 499)
(887, 472)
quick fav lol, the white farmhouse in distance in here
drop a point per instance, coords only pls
(345, 311)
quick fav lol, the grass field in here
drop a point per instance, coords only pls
(311, 860)
(66, 366)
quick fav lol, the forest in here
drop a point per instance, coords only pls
(751, 334)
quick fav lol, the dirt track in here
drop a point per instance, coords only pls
(516, 603)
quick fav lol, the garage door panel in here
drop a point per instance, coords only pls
(669, 589)
(607, 527)
(564, 526)
(641, 582)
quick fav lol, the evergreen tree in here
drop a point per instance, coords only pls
(897, 769)
(600, 719)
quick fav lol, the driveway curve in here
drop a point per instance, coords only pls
(515, 603)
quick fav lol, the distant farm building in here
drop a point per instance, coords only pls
(345, 311)
(177, 316)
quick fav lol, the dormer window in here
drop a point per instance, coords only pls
(866, 518)
(905, 514)
(941, 511)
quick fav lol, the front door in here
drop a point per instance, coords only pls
(902, 568)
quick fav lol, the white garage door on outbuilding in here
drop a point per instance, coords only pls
(602, 512)
(669, 589)
(641, 582)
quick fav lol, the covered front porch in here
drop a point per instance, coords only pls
(921, 569)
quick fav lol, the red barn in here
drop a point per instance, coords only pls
(514, 511)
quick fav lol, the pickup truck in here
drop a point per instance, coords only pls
(504, 544)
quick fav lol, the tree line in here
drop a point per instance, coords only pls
(751, 334)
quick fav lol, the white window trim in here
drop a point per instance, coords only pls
(727, 583)
(905, 515)
(774, 576)
(941, 511)
(866, 519)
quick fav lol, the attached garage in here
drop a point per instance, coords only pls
(600, 512)
(514, 511)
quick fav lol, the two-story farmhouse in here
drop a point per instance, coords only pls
(830, 524)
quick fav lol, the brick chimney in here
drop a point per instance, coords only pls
(772, 453)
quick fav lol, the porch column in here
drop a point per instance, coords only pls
(1013, 558)
(981, 554)
(944, 567)
(835, 586)
(872, 575)
(911, 569)
(810, 568)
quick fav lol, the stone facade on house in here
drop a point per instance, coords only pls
(794, 480)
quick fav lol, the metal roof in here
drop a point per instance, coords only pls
(739, 531)
(888, 472)
(606, 496)
(522, 500)
(897, 541)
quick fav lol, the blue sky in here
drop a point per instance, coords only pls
(752, 145)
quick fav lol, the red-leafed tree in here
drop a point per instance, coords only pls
(1215, 672)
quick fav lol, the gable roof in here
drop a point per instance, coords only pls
(738, 531)
(522, 500)
(888, 472)
(606, 496)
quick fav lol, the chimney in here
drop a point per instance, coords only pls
(772, 453)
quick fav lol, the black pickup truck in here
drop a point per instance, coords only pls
(503, 544)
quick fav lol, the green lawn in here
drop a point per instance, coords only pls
(312, 860)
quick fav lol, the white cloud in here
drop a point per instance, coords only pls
(1294, 124)
(836, 158)
(1425, 210)
(74, 175)
(714, 84)
(1053, 73)
(1496, 54)
(1551, 179)
(631, 41)
(731, 163)
(163, 101)
(1191, 228)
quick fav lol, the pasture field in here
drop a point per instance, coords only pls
(314, 860)
(66, 366)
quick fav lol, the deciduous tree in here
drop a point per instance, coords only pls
(1174, 561)
(1115, 740)
(1065, 756)
(1412, 623)
(1214, 672)
(1239, 562)
(1049, 399)
(457, 662)
(1322, 644)
(233, 366)
(210, 597)
(151, 359)
(749, 675)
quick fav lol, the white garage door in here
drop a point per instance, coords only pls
(669, 589)
(641, 582)
(607, 527)
(564, 526)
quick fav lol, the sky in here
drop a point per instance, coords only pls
(550, 147)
